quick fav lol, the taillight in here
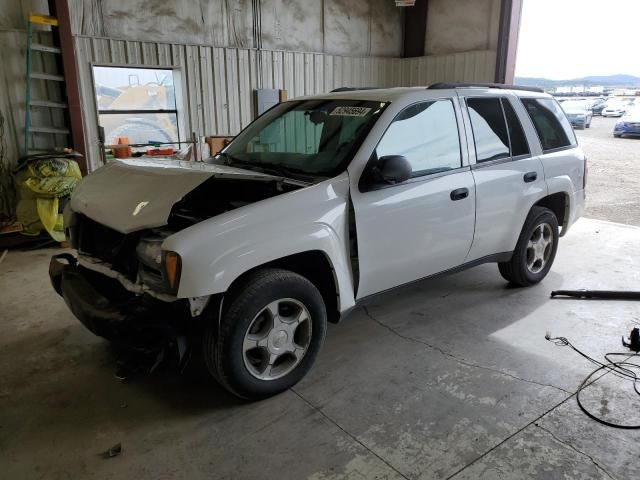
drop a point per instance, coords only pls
(584, 176)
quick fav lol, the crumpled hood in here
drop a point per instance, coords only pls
(130, 195)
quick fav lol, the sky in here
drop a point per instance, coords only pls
(119, 77)
(565, 39)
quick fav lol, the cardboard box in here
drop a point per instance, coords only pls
(217, 143)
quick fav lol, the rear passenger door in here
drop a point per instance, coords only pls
(508, 178)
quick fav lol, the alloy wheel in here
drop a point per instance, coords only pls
(539, 248)
(277, 339)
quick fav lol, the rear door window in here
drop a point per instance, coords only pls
(549, 120)
(519, 145)
(489, 129)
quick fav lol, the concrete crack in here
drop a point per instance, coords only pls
(457, 359)
(523, 428)
(580, 452)
(351, 436)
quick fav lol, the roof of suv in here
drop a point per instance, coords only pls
(395, 93)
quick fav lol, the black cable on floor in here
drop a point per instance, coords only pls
(622, 369)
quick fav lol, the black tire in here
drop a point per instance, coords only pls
(223, 346)
(516, 270)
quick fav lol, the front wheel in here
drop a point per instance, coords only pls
(535, 250)
(269, 336)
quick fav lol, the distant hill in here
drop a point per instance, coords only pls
(604, 80)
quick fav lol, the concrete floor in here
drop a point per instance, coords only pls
(450, 378)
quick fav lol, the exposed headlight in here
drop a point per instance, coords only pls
(159, 268)
(149, 251)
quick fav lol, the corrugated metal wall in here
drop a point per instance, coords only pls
(217, 83)
(476, 66)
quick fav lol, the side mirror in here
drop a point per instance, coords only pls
(394, 169)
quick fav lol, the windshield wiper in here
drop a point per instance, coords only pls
(230, 158)
(280, 171)
(275, 170)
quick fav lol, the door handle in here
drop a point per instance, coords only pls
(530, 177)
(459, 194)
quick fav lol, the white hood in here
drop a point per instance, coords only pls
(129, 195)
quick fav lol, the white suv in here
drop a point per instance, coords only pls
(317, 205)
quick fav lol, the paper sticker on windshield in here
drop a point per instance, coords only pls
(350, 111)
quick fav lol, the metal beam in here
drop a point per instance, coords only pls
(415, 29)
(60, 10)
(510, 13)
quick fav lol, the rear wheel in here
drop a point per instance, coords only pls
(269, 336)
(535, 250)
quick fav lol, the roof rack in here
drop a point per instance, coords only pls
(502, 86)
(351, 89)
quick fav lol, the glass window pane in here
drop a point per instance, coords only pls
(294, 132)
(315, 137)
(427, 135)
(489, 129)
(554, 130)
(519, 145)
(140, 128)
(120, 88)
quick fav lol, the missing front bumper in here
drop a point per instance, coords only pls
(108, 310)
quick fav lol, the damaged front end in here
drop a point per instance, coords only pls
(117, 291)
(122, 285)
(136, 322)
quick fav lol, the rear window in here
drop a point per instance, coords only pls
(489, 129)
(549, 120)
(519, 145)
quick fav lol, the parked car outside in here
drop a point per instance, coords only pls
(598, 106)
(629, 124)
(317, 206)
(578, 112)
(614, 109)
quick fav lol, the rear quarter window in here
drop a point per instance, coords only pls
(550, 122)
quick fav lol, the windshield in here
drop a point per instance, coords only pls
(314, 138)
(573, 105)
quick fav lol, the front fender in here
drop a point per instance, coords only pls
(217, 251)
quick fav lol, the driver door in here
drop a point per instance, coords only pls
(424, 225)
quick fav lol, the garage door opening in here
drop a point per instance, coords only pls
(581, 52)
